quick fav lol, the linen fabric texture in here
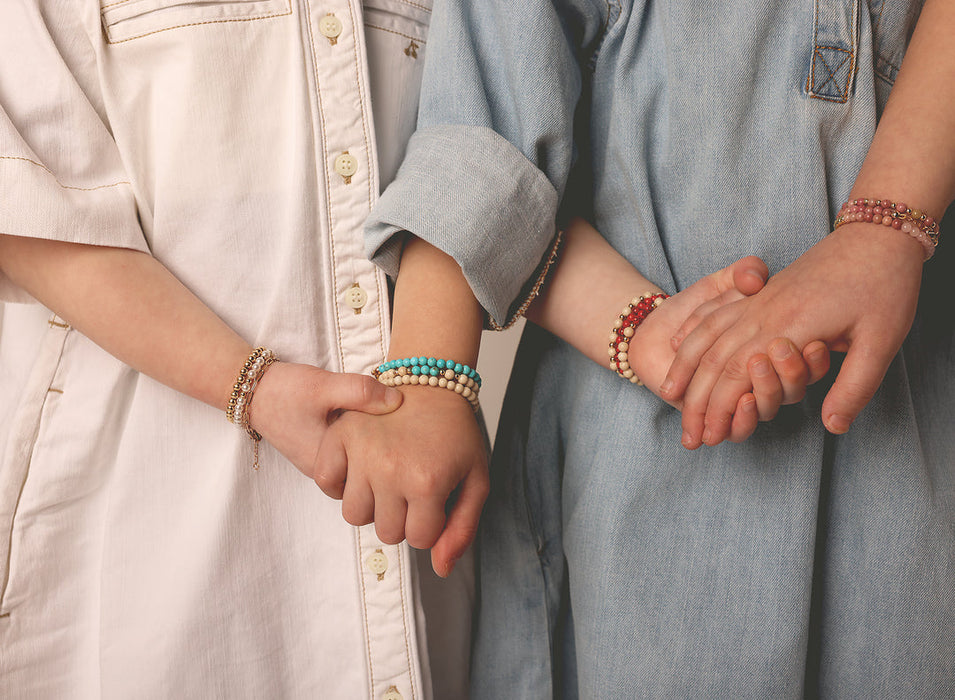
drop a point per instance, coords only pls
(140, 555)
(615, 563)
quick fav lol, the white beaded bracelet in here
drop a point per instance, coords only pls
(458, 383)
(624, 328)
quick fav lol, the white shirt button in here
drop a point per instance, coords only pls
(331, 27)
(346, 165)
(392, 694)
(377, 563)
(356, 298)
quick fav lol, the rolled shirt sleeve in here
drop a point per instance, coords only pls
(61, 175)
(485, 172)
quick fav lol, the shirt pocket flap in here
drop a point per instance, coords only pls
(124, 20)
(406, 18)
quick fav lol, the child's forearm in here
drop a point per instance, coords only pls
(912, 157)
(132, 306)
(587, 288)
(435, 312)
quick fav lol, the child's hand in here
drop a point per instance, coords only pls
(856, 290)
(419, 473)
(573, 308)
(777, 379)
(294, 404)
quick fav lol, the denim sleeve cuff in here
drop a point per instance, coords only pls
(469, 192)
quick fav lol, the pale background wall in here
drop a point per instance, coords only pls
(494, 366)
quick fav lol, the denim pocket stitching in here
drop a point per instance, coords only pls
(839, 77)
(816, 88)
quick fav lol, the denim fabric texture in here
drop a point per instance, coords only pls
(614, 563)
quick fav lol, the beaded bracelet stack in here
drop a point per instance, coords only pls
(623, 329)
(917, 224)
(430, 371)
(249, 376)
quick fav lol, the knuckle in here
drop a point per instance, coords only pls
(857, 392)
(331, 485)
(736, 369)
(793, 395)
(424, 482)
(423, 539)
(465, 533)
(482, 490)
(712, 360)
(361, 388)
(767, 414)
(389, 534)
(718, 421)
(354, 515)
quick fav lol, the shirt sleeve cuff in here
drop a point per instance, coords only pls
(36, 205)
(469, 192)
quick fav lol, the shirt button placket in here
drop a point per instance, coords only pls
(347, 144)
(345, 152)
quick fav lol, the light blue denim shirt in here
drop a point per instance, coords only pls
(614, 563)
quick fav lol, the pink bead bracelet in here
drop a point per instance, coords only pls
(881, 211)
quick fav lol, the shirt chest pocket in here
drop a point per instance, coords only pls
(404, 17)
(125, 20)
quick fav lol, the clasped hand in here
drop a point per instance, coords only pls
(855, 291)
(726, 351)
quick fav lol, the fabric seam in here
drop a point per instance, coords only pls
(198, 24)
(66, 187)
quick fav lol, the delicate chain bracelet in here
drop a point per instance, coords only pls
(534, 291)
(242, 391)
(917, 224)
(623, 329)
(430, 371)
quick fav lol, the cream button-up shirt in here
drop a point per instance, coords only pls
(140, 556)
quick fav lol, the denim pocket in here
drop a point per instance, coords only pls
(124, 20)
(835, 47)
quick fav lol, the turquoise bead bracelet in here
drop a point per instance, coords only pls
(431, 366)
(430, 371)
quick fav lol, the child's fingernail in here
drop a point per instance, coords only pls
(781, 351)
(686, 441)
(838, 424)
(761, 368)
(757, 275)
(393, 397)
(817, 354)
(707, 436)
(667, 386)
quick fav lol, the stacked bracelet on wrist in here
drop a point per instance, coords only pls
(249, 376)
(917, 224)
(430, 371)
(624, 328)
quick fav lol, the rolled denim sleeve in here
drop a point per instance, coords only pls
(485, 172)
